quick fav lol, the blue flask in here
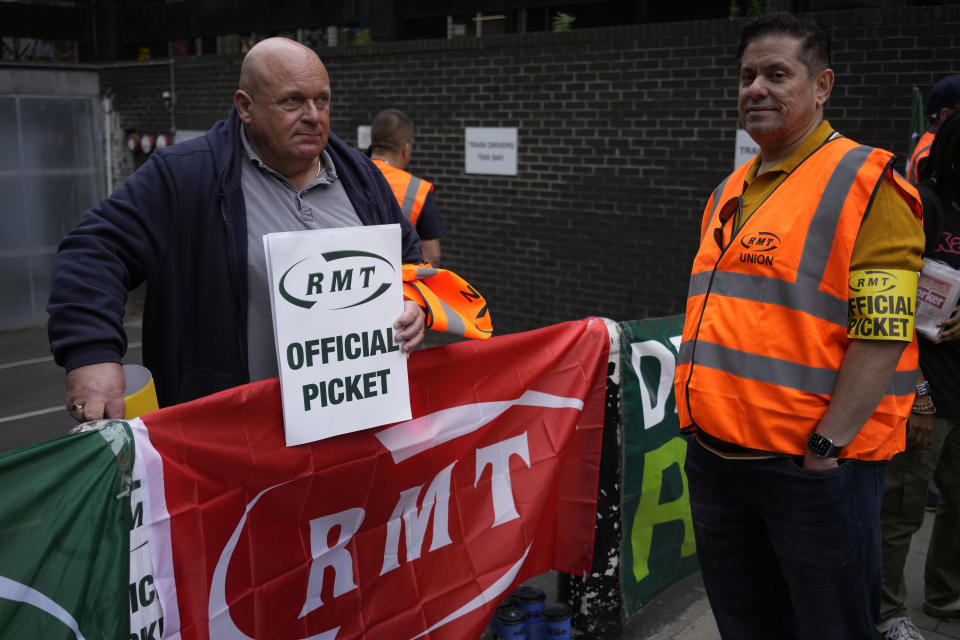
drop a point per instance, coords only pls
(531, 600)
(556, 621)
(510, 623)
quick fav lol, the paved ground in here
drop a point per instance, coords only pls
(31, 410)
(32, 387)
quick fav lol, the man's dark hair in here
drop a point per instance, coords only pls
(814, 38)
(391, 130)
(943, 164)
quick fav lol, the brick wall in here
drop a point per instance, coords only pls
(623, 132)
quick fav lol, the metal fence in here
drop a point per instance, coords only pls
(51, 170)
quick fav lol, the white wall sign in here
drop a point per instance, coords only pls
(335, 294)
(746, 148)
(363, 137)
(491, 151)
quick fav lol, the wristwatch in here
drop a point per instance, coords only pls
(823, 446)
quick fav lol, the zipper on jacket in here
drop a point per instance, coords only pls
(241, 295)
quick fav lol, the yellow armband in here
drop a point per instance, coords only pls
(881, 304)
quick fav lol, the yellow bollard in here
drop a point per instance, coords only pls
(141, 395)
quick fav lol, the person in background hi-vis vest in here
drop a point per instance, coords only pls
(944, 98)
(798, 358)
(391, 144)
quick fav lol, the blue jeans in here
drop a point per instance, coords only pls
(784, 552)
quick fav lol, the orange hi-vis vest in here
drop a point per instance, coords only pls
(765, 330)
(921, 151)
(409, 190)
(451, 303)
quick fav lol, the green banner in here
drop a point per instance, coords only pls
(658, 547)
(65, 529)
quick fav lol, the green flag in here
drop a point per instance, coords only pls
(657, 548)
(918, 123)
(64, 537)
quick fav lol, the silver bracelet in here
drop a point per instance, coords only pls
(923, 389)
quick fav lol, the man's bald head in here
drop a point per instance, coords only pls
(284, 104)
(268, 56)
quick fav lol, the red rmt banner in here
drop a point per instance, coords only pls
(413, 530)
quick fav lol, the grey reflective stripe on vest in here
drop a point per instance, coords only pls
(771, 290)
(716, 198)
(782, 373)
(915, 157)
(426, 272)
(455, 324)
(803, 294)
(823, 226)
(410, 197)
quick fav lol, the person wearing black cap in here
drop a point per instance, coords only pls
(943, 99)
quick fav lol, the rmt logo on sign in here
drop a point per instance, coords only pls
(338, 280)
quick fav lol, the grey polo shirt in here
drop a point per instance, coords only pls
(273, 205)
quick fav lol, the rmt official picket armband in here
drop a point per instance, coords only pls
(822, 446)
(881, 304)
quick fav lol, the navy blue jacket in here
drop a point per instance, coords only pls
(179, 223)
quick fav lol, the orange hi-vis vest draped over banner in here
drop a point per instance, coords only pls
(921, 151)
(409, 190)
(765, 330)
(452, 304)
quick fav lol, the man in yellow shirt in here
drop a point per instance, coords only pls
(797, 364)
